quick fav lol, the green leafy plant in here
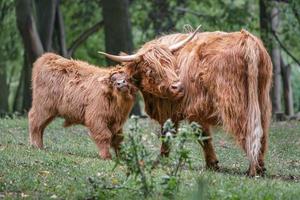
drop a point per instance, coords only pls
(137, 159)
(188, 132)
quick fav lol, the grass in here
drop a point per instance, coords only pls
(69, 167)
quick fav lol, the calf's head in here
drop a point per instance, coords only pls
(153, 68)
(121, 82)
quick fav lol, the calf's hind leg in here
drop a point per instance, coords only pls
(38, 120)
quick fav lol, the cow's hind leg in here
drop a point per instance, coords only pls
(209, 151)
(265, 107)
(255, 167)
(38, 120)
(261, 169)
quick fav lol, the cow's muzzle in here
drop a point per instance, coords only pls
(177, 90)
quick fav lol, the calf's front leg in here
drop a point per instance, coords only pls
(102, 137)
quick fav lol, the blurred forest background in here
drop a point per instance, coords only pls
(79, 28)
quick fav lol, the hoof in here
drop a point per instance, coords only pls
(164, 154)
(261, 171)
(258, 171)
(37, 146)
(105, 156)
(214, 165)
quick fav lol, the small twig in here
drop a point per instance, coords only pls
(284, 48)
(83, 37)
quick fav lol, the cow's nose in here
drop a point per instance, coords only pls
(176, 87)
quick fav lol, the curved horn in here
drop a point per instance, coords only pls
(128, 58)
(180, 44)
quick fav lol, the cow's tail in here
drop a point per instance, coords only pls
(254, 130)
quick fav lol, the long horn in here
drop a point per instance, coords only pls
(180, 44)
(128, 58)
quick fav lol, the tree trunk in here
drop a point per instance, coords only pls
(161, 16)
(32, 45)
(4, 88)
(264, 23)
(5, 8)
(60, 30)
(276, 90)
(46, 12)
(17, 104)
(118, 37)
(117, 28)
(268, 23)
(287, 88)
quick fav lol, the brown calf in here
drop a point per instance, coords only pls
(98, 98)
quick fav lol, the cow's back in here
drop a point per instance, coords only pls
(209, 59)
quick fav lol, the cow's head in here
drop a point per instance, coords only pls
(153, 68)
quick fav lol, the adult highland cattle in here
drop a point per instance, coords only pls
(227, 80)
(99, 98)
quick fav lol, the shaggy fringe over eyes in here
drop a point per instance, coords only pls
(160, 58)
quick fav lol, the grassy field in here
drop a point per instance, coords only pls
(69, 168)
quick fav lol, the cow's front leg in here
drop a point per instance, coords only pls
(165, 145)
(209, 151)
(116, 142)
(102, 137)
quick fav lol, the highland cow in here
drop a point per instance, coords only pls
(227, 80)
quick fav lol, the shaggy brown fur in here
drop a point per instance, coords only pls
(98, 98)
(227, 78)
